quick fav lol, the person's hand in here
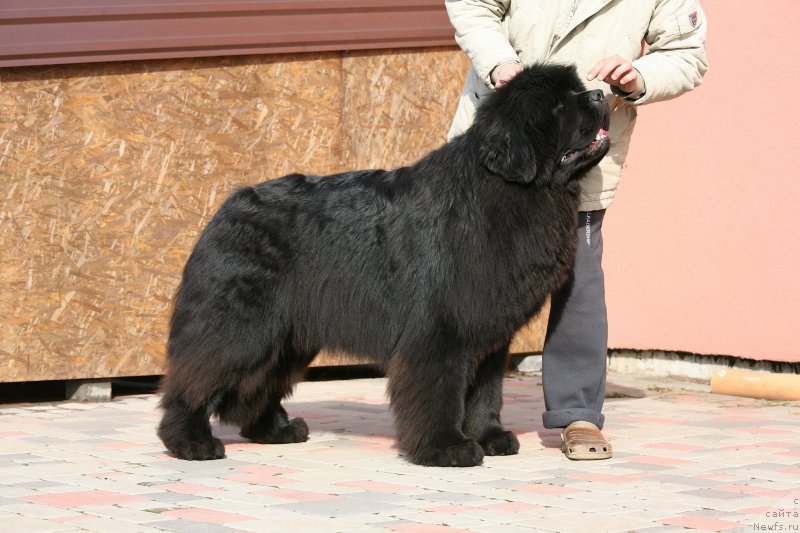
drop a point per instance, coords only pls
(505, 73)
(617, 72)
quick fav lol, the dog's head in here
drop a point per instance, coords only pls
(543, 127)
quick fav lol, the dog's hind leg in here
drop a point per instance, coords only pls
(274, 427)
(185, 431)
(427, 397)
(271, 424)
(483, 403)
(206, 377)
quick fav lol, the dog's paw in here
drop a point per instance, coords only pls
(201, 449)
(505, 443)
(465, 453)
(295, 431)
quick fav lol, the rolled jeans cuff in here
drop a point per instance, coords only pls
(561, 418)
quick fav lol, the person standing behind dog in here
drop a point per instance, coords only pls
(638, 52)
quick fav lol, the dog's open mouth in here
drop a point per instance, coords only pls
(599, 142)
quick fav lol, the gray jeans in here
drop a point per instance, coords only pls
(576, 344)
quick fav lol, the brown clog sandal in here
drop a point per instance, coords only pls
(583, 441)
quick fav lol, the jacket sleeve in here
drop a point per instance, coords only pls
(676, 60)
(480, 34)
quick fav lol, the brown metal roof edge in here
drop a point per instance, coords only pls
(11, 10)
(40, 32)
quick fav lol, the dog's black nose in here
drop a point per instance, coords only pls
(596, 96)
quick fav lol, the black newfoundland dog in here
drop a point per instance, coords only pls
(428, 270)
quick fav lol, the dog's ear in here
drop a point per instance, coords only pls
(505, 154)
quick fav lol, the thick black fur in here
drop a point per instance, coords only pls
(428, 270)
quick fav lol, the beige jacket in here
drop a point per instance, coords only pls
(536, 31)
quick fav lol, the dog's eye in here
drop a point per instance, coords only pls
(557, 106)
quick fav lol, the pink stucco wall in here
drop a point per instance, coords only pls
(703, 243)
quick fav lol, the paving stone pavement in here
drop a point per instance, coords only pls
(684, 459)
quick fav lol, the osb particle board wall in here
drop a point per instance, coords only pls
(109, 171)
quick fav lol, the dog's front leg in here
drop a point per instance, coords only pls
(483, 403)
(427, 395)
